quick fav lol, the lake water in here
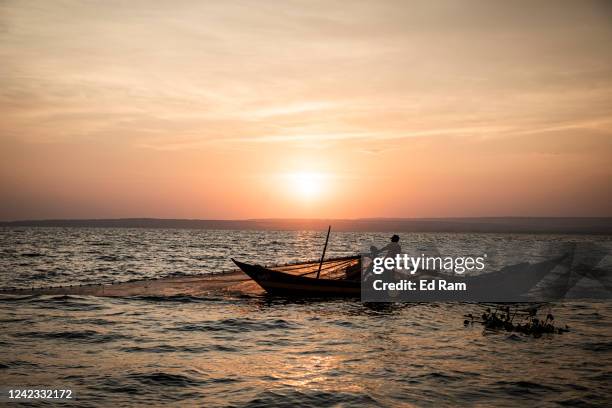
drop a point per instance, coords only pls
(251, 352)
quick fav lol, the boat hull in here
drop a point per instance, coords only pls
(285, 284)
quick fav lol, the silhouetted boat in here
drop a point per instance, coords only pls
(341, 277)
(300, 279)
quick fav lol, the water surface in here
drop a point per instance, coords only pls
(225, 351)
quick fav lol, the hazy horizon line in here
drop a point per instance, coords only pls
(484, 217)
(562, 225)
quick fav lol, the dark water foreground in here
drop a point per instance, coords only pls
(250, 352)
(260, 352)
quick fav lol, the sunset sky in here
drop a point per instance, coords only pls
(253, 109)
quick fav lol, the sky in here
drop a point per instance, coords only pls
(305, 109)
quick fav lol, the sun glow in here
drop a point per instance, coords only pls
(306, 185)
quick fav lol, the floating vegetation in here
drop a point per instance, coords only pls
(528, 322)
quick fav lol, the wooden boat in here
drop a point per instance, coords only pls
(341, 277)
(301, 279)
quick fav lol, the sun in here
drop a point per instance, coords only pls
(306, 185)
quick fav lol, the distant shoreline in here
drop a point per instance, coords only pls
(558, 225)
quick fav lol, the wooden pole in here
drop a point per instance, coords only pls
(323, 256)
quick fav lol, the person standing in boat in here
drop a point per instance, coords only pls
(393, 248)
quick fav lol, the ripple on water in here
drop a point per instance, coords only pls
(84, 336)
(178, 299)
(166, 348)
(597, 346)
(96, 321)
(520, 388)
(166, 379)
(65, 302)
(17, 363)
(32, 254)
(237, 325)
(292, 397)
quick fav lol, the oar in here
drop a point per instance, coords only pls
(323, 256)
